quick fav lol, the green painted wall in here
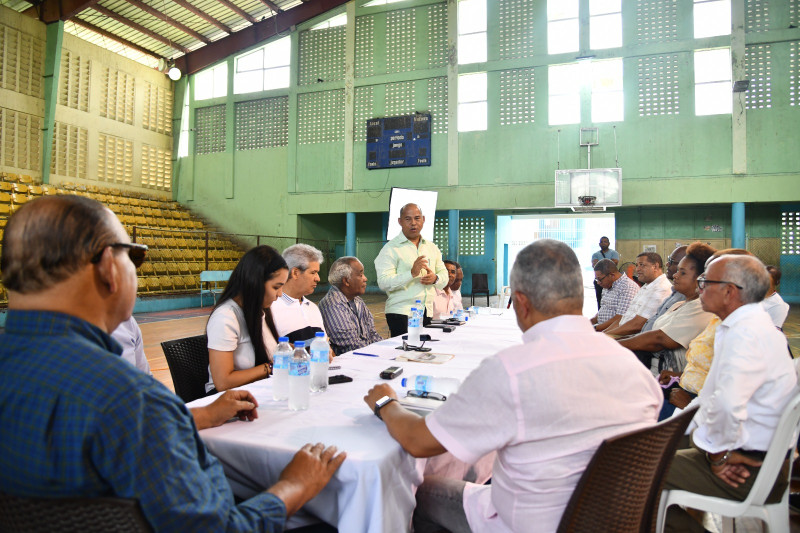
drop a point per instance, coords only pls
(668, 162)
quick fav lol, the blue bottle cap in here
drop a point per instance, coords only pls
(300, 344)
(283, 339)
(403, 382)
(319, 334)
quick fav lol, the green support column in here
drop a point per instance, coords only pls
(52, 68)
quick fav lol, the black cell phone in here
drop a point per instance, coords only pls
(391, 372)
(424, 338)
(339, 378)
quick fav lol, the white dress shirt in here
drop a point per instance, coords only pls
(291, 314)
(776, 308)
(750, 382)
(544, 406)
(648, 299)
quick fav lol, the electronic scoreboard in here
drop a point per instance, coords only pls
(394, 142)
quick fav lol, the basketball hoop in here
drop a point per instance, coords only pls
(587, 205)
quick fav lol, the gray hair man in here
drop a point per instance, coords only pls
(562, 362)
(348, 321)
(296, 316)
(70, 269)
(750, 381)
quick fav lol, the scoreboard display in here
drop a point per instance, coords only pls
(394, 142)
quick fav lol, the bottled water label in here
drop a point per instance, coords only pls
(319, 356)
(421, 383)
(299, 369)
(281, 361)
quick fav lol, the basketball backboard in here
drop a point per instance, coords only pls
(589, 189)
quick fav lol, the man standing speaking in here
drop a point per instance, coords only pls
(408, 268)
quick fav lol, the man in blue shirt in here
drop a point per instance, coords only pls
(77, 420)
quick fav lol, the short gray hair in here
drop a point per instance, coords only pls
(749, 273)
(300, 255)
(549, 274)
(340, 269)
(605, 267)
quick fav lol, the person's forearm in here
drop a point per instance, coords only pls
(237, 378)
(630, 327)
(650, 341)
(607, 323)
(410, 431)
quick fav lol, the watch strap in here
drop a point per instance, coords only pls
(378, 407)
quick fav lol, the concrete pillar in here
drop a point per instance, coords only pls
(737, 225)
(52, 68)
(350, 237)
(452, 235)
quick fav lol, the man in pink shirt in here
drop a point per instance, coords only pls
(544, 406)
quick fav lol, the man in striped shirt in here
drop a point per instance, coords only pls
(348, 322)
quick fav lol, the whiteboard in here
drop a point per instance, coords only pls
(426, 200)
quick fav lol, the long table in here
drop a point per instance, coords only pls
(374, 489)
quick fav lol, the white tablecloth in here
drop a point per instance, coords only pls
(374, 488)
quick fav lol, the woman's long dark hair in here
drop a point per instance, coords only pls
(254, 269)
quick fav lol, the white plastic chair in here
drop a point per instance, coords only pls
(774, 515)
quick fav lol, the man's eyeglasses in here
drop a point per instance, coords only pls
(598, 280)
(425, 394)
(702, 282)
(137, 252)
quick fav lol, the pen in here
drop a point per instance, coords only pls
(367, 354)
(335, 367)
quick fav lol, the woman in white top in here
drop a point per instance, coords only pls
(241, 332)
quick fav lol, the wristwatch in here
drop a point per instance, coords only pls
(380, 404)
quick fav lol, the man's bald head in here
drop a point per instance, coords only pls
(51, 238)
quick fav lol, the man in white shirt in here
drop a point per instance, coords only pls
(656, 288)
(444, 303)
(456, 288)
(544, 406)
(750, 381)
(672, 267)
(773, 304)
(296, 316)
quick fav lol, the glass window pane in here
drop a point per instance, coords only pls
(248, 82)
(713, 98)
(608, 106)
(471, 16)
(472, 48)
(220, 80)
(607, 75)
(204, 85)
(601, 7)
(564, 109)
(472, 87)
(472, 116)
(605, 31)
(712, 18)
(712, 65)
(562, 36)
(562, 9)
(251, 61)
(276, 78)
(564, 79)
(277, 54)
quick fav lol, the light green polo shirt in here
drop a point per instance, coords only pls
(393, 266)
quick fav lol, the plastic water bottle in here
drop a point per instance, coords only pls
(414, 326)
(319, 363)
(299, 378)
(280, 369)
(460, 315)
(446, 386)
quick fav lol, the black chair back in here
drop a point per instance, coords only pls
(188, 364)
(620, 489)
(70, 515)
(480, 287)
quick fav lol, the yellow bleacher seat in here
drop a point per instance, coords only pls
(5, 198)
(35, 190)
(6, 186)
(166, 283)
(24, 178)
(49, 190)
(10, 176)
(153, 284)
(20, 188)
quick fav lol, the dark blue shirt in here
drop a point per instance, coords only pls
(77, 420)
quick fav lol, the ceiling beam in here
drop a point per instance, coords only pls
(138, 27)
(236, 9)
(203, 15)
(52, 10)
(252, 35)
(172, 22)
(272, 6)
(111, 36)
